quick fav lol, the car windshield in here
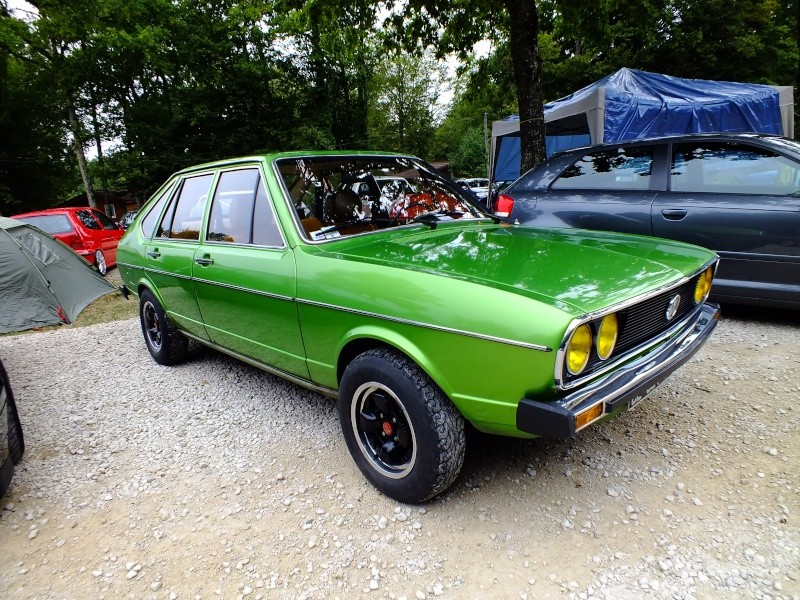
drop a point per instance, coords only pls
(346, 195)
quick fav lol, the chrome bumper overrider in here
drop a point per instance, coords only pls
(622, 387)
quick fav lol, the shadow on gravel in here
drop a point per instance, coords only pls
(760, 314)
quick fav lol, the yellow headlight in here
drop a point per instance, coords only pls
(703, 286)
(578, 349)
(607, 336)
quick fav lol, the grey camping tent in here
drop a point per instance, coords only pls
(42, 282)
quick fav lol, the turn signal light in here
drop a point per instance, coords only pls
(588, 416)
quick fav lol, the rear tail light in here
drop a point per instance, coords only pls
(503, 205)
(74, 242)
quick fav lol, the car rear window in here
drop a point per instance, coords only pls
(615, 169)
(52, 224)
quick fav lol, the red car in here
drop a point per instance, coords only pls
(89, 232)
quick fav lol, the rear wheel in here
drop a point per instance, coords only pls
(165, 343)
(100, 262)
(404, 434)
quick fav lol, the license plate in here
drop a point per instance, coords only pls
(635, 401)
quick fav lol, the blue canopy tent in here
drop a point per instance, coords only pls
(632, 104)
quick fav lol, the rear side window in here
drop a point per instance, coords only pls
(104, 220)
(150, 220)
(183, 220)
(241, 212)
(618, 169)
(732, 168)
(87, 220)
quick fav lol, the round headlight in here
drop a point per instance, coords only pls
(703, 286)
(607, 336)
(578, 349)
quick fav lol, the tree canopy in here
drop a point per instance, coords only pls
(140, 89)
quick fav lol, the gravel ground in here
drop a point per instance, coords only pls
(213, 479)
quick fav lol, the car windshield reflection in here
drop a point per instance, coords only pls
(341, 196)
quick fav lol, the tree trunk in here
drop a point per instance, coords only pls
(98, 139)
(524, 40)
(76, 140)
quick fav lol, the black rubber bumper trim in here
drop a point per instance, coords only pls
(617, 389)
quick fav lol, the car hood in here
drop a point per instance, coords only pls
(577, 271)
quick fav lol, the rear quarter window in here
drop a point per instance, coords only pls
(87, 220)
(615, 169)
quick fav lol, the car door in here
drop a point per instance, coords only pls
(739, 199)
(244, 276)
(170, 254)
(609, 189)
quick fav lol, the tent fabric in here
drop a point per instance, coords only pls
(42, 282)
(631, 104)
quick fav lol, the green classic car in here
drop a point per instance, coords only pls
(373, 279)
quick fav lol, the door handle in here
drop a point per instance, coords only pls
(204, 260)
(673, 214)
(154, 254)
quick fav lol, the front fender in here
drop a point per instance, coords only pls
(367, 336)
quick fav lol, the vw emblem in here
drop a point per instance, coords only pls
(672, 307)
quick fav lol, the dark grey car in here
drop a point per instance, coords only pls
(737, 194)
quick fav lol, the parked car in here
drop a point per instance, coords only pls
(477, 185)
(127, 218)
(419, 316)
(737, 194)
(89, 232)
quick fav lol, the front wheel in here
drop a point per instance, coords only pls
(165, 343)
(404, 434)
(100, 262)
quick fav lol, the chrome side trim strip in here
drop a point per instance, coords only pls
(310, 385)
(244, 289)
(471, 334)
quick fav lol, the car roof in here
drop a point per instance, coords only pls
(279, 155)
(53, 211)
(670, 138)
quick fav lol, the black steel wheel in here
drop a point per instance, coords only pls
(404, 434)
(165, 343)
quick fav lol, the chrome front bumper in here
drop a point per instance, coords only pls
(623, 387)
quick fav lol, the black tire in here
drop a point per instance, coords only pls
(16, 441)
(165, 343)
(404, 434)
(100, 262)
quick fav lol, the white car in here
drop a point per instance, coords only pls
(477, 185)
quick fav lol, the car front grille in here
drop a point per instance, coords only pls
(640, 323)
(643, 321)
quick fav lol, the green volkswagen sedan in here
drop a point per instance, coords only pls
(373, 279)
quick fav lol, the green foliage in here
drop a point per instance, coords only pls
(403, 103)
(469, 159)
(161, 84)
